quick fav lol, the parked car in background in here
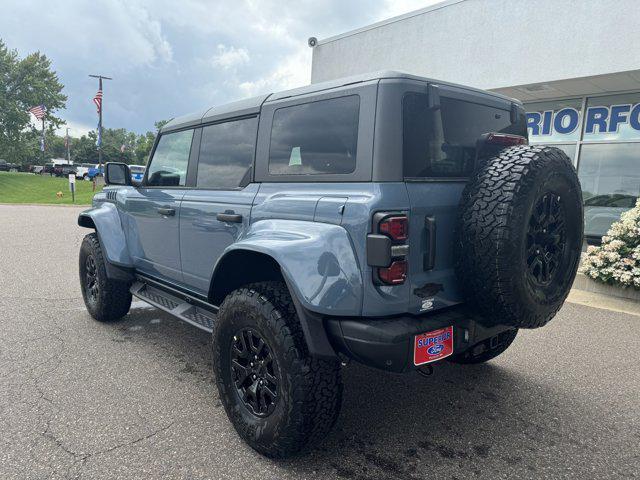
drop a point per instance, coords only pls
(37, 169)
(95, 171)
(64, 170)
(137, 172)
(603, 210)
(48, 169)
(82, 170)
(8, 167)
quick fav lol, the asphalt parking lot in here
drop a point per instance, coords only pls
(135, 399)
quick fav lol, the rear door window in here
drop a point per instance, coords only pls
(443, 142)
(226, 154)
(315, 138)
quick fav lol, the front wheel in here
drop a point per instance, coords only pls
(278, 398)
(106, 299)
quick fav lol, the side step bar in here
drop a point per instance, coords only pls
(177, 304)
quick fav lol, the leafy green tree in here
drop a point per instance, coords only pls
(25, 83)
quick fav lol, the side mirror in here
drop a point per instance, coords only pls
(117, 174)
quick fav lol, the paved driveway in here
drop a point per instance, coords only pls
(79, 399)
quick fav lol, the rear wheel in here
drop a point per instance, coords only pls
(279, 399)
(106, 299)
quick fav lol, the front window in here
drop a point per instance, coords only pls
(442, 142)
(168, 167)
(315, 138)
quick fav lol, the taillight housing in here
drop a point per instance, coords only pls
(505, 139)
(394, 274)
(395, 227)
(387, 248)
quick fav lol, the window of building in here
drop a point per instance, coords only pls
(226, 154)
(612, 118)
(168, 167)
(442, 142)
(315, 138)
(556, 121)
(610, 178)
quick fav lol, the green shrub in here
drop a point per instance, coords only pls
(617, 260)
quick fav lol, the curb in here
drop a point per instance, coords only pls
(582, 282)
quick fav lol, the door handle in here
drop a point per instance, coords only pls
(229, 217)
(169, 212)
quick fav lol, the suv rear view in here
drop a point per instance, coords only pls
(388, 219)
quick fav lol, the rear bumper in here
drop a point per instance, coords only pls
(388, 343)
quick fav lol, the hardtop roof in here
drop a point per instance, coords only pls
(252, 106)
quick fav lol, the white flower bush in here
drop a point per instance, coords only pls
(617, 260)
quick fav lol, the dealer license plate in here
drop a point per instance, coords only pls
(432, 346)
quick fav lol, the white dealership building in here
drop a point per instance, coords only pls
(575, 64)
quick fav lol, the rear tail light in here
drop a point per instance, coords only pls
(395, 227)
(506, 140)
(395, 274)
(387, 248)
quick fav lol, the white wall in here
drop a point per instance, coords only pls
(493, 43)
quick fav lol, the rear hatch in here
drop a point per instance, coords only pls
(443, 132)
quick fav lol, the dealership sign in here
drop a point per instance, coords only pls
(608, 122)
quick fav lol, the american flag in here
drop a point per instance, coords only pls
(38, 111)
(98, 100)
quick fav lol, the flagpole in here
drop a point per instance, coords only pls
(100, 78)
(68, 150)
(42, 140)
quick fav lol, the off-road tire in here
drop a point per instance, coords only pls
(112, 299)
(482, 352)
(310, 389)
(500, 208)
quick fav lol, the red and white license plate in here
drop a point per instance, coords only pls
(432, 346)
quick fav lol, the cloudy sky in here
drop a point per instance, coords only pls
(171, 57)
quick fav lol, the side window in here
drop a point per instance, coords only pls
(168, 167)
(442, 142)
(315, 138)
(226, 154)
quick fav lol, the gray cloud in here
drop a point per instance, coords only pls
(169, 58)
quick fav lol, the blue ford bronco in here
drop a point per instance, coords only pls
(385, 218)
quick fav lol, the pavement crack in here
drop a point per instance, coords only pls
(130, 443)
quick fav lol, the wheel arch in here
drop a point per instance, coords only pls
(105, 220)
(242, 266)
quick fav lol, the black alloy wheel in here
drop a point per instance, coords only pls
(91, 279)
(546, 238)
(254, 372)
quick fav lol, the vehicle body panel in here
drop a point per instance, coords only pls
(154, 238)
(203, 237)
(316, 259)
(106, 218)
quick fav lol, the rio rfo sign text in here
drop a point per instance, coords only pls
(597, 120)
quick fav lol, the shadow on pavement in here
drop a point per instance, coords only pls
(465, 420)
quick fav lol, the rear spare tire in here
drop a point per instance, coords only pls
(520, 235)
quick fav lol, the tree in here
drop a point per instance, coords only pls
(25, 83)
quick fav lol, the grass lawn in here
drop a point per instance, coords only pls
(30, 188)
